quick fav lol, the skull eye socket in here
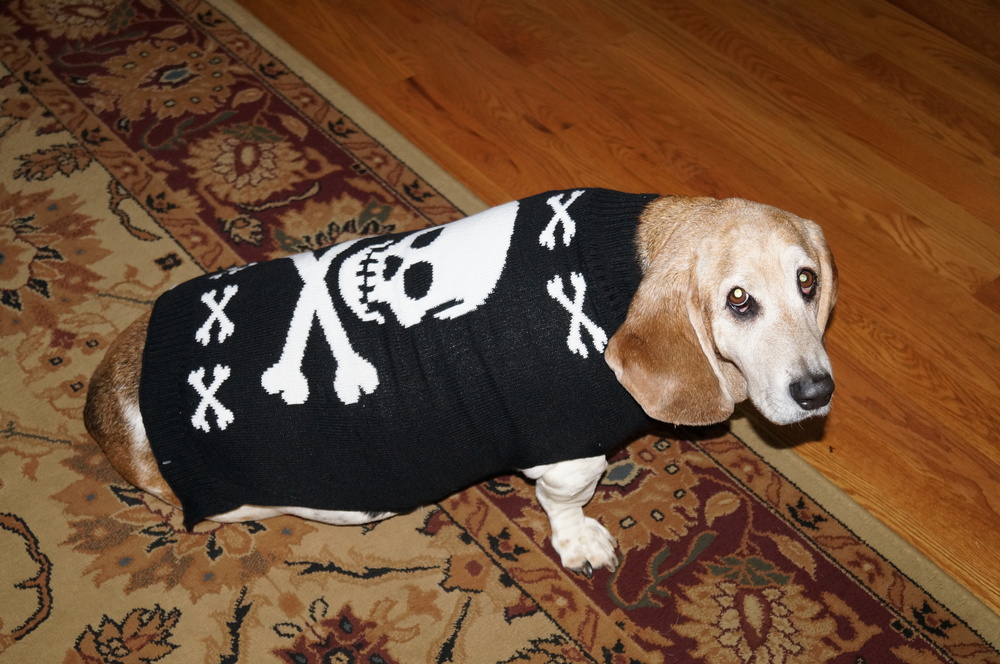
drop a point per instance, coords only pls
(392, 265)
(417, 280)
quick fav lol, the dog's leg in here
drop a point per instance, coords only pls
(563, 489)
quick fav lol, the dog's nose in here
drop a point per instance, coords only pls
(812, 392)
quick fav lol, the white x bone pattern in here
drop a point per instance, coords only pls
(560, 215)
(557, 288)
(223, 416)
(578, 320)
(216, 306)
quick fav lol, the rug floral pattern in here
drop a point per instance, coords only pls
(143, 142)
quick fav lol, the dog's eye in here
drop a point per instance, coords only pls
(740, 301)
(807, 283)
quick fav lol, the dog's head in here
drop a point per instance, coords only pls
(733, 303)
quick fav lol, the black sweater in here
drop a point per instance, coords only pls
(387, 372)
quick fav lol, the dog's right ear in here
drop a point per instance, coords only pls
(663, 353)
(664, 356)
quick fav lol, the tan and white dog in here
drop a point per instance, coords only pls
(732, 304)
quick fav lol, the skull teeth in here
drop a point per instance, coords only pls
(367, 271)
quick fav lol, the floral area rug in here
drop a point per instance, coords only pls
(143, 142)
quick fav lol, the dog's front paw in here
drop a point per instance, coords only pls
(586, 547)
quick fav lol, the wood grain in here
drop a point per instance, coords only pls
(878, 118)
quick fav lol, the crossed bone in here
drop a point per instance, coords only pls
(560, 214)
(353, 375)
(223, 416)
(578, 320)
(226, 328)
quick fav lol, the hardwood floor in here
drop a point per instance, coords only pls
(880, 119)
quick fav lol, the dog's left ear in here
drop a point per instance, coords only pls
(663, 353)
(829, 281)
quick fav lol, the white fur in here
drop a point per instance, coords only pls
(563, 489)
(332, 517)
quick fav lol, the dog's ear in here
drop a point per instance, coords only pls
(663, 353)
(829, 281)
(664, 356)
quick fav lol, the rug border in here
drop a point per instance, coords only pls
(910, 562)
(377, 128)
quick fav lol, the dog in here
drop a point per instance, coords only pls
(373, 389)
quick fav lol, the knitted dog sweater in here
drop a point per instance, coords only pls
(390, 371)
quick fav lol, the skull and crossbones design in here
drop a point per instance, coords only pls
(441, 273)
(437, 272)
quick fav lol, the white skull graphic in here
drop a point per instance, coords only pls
(445, 271)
